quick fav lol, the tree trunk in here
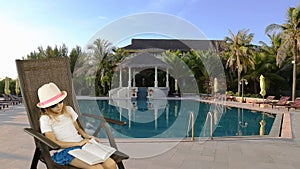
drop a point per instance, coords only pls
(294, 80)
(255, 86)
(239, 86)
(294, 70)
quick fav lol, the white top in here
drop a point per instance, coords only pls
(63, 127)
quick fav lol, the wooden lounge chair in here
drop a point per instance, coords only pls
(281, 102)
(5, 102)
(16, 98)
(32, 75)
(268, 100)
(229, 97)
(10, 100)
(295, 104)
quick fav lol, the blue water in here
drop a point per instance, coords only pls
(170, 118)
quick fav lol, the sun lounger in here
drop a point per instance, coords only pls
(295, 104)
(15, 98)
(281, 102)
(268, 100)
(229, 97)
(10, 100)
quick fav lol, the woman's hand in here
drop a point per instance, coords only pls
(84, 141)
(87, 137)
(92, 137)
(96, 139)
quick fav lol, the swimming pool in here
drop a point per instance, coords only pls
(170, 118)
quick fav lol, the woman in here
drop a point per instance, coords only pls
(58, 123)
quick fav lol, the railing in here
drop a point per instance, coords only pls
(211, 123)
(113, 92)
(191, 126)
(191, 123)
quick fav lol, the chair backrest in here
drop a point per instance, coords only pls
(270, 98)
(296, 102)
(34, 73)
(5, 97)
(283, 100)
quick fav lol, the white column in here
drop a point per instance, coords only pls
(120, 78)
(155, 81)
(167, 115)
(176, 110)
(120, 111)
(155, 117)
(129, 117)
(176, 85)
(133, 77)
(129, 77)
(167, 78)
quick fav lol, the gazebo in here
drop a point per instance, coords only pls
(139, 61)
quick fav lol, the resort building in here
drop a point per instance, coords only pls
(147, 71)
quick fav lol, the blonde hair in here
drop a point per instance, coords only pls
(53, 116)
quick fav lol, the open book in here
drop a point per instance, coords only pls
(93, 153)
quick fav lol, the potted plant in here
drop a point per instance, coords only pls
(150, 92)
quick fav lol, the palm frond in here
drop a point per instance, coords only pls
(273, 28)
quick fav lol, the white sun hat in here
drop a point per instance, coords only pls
(49, 94)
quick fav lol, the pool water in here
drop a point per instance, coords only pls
(170, 119)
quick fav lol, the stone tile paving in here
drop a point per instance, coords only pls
(225, 155)
(17, 147)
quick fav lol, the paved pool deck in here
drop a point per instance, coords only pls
(17, 148)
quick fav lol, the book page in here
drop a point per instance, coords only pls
(85, 156)
(98, 149)
(103, 146)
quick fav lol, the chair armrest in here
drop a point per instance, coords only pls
(121, 123)
(118, 156)
(42, 138)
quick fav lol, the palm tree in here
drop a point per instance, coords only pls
(290, 35)
(238, 50)
(179, 70)
(195, 63)
(206, 66)
(109, 66)
(91, 65)
(97, 66)
(100, 50)
(265, 63)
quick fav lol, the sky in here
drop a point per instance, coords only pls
(26, 25)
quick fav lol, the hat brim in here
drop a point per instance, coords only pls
(63, 96)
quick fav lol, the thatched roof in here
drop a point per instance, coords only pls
(143, 60)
